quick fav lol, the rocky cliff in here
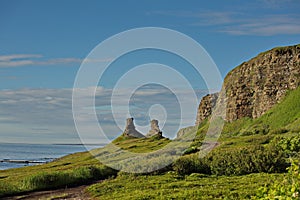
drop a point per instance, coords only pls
(257, 85)
(205, 107)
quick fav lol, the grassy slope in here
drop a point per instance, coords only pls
(140, 145)
(283, 119)
(12, 180)
(170, 186)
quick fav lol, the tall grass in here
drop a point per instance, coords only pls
(8, 189)
(57, 179)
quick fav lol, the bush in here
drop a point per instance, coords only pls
(289, 145)
(190, 150)
(247, 160)
(289, 188)
(234, 161)
(191, 164)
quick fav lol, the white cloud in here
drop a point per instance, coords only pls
(267, 25)
(263, 25)
(4, 58)
(242, 22)
(37, 114)
(18, 60)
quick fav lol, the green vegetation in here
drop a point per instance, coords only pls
(74, 169)
(288, 188)
(172, 186)
(282, 118)
(140, 145)
(80, 175)
(242, 161)
(249, 161)
(289, 145)
(191, 164)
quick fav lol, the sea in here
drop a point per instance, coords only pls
(20, 155)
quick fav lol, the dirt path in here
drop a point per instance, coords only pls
(74, 193)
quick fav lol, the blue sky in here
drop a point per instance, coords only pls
(42, 44)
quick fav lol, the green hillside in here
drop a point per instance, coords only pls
(250, 153)
(283, 117)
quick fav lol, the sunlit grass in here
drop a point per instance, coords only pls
(172, 186)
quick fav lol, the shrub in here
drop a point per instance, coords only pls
(191, 164)
(289, 188)
(268, 159)
(190, 150)
(234, 161)
(247, 160)
(289, 145)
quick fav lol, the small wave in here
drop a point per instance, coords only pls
(23, 161)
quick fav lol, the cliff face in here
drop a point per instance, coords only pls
(205, 107)
(257, 85)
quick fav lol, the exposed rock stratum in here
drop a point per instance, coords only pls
(257, 85)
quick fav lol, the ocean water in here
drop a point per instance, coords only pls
(20, 155)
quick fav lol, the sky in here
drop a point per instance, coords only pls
(43, 45)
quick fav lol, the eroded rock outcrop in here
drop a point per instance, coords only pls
(130, 129)
(257, 85)
(205, 107)
(154, 131)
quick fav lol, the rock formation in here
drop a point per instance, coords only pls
(257, 85)
(154, 131)
(130, 129)
(205, 107)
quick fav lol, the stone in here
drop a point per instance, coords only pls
(154, 131)
(130, 130)
(255, 86)
(205, 107)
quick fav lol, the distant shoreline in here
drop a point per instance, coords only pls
(23, 161)
(90, 144)
(82, 144)
(18, 155)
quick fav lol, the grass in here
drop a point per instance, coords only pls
(140, 145)
(172, 186)
(77, 176)
(70, 170)
(283, 116)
